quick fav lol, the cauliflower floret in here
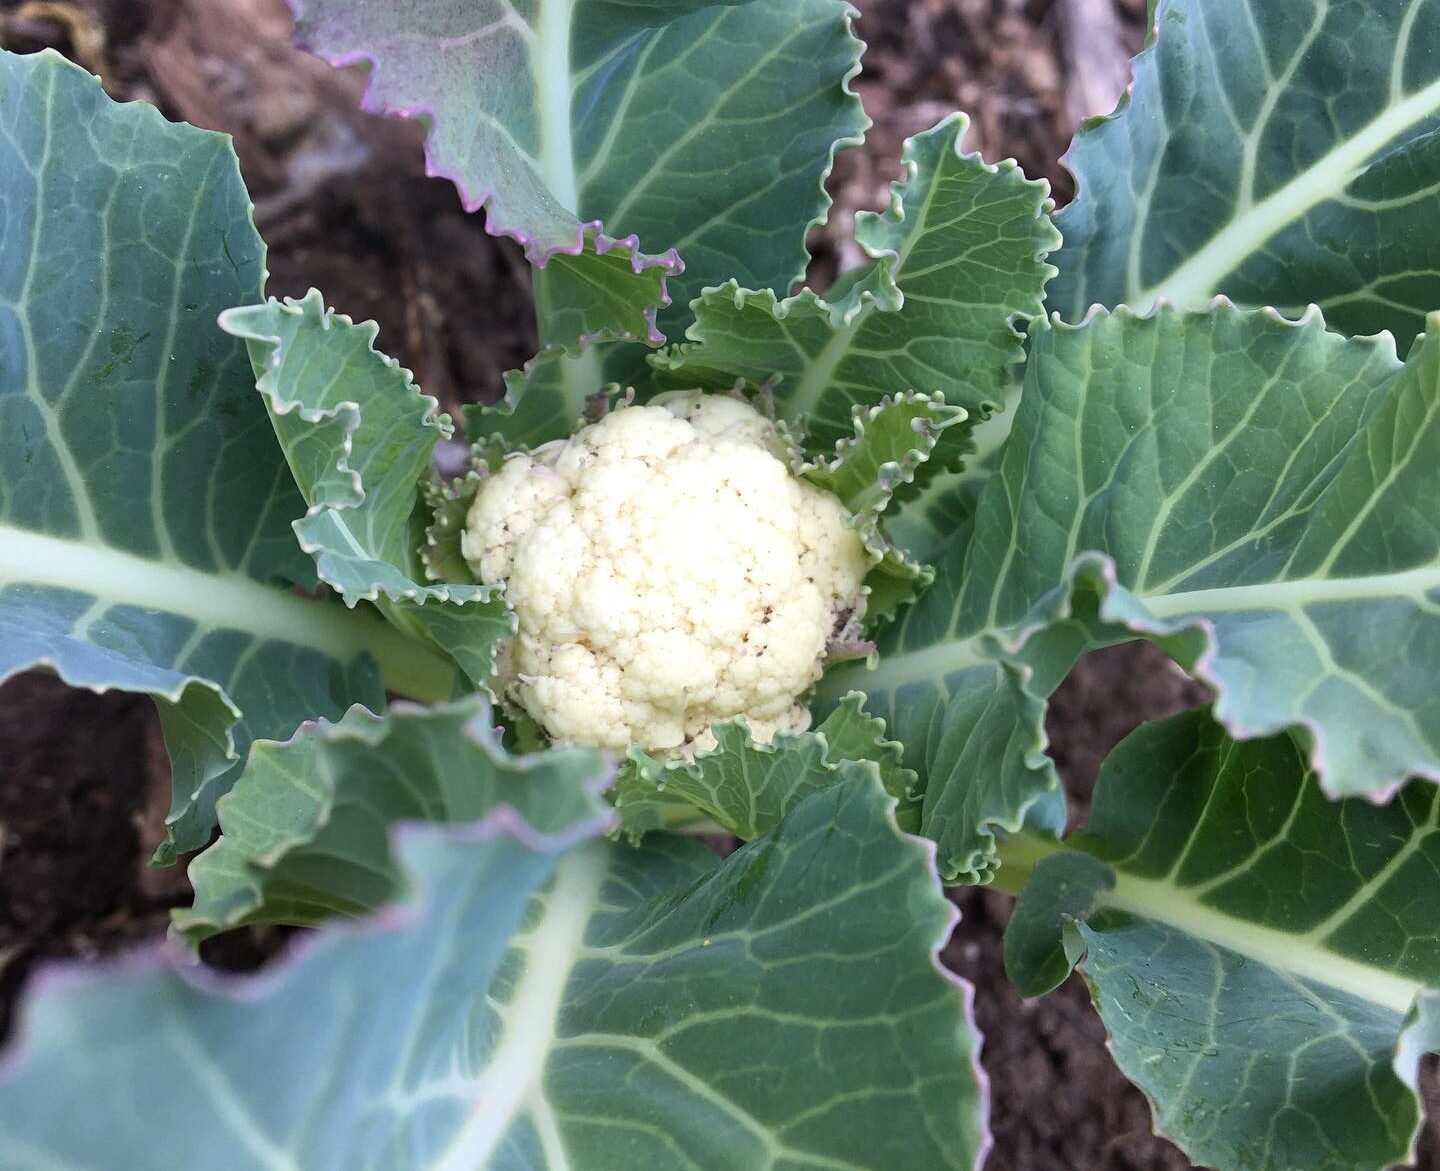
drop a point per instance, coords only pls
(666, 571)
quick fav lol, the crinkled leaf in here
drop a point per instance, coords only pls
(940, 512)
(895, 446)
(747, 788)
(144, 504)
(1281, 154)
(605, 291)
(608, 1009)
(706, 127)
(552, 395)
(956, 260)
(305, 830)
(359, 437)
(1252, 493)
(853, 734)
(893, 581)
(1254, 948)
(449, 505)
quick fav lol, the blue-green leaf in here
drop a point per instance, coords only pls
(1256, 950)
(1279, 153)
(305, 830)
(707, 128)
(1254, 494)
(144, 504)
(603, 1010)
(359, 437)
(956, 261)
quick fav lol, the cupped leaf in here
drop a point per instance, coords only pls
(449, 504)
(746, 789)
(956, 260)
(895, 447)
(144, 504)
(703, 127)
(944, 504)
(1255, 949)
(305, 830)
(602, 1010)
(359, 436)
(552, 395)
(1250, 492)
(1281, 154)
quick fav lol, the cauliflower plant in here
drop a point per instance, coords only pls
(667, 570)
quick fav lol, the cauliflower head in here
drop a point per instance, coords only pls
(666, 570)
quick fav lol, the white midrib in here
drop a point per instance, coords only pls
(550, 56)
(1300, 956)
(816, 379)
(513, 1072)
(1198, 279)
(1303, 959)
(224, 601)
(943, 658)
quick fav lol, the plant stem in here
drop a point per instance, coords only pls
(408, 667)
(1019, 854)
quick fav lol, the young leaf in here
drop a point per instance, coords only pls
(747, 788)
(1281, 154)
(956, 260)
(896, 446)
(144, 505)
(607, 290)
(709, 127)
(449, 505)
(305, 830)
(1255, 949)
(1250, 492)
(607, 1009)
(359, 436)
(549, 398)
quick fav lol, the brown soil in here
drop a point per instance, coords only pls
(343, 203)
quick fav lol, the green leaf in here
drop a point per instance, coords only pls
(892, 582)
(144, 505)
(706, 127)
(1251, 493)
(956, 260)
(896, 446)
(305, 830)
(1255, 949)
(1280, 154)
(449, 505)
(550, 397)
(747, 789)
(359, 437)
(608, 1009)
(854, 734)
(607, 290)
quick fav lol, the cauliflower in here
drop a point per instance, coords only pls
(666, 571)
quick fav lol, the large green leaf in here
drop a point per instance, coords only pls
(699, 126)
(1279, 153)
(956, 260)
(608, 1009)
(1255, 494)
(1255, 949)
(359, 436)
(305, 830)
(144, 504)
